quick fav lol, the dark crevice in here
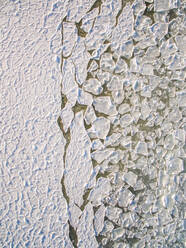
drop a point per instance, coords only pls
(81, 32)
(120, 11)
(85, 199)
(72, 232)
(96, 5)
(149, 11)
(105, 174)
(87, 126)
(94, 163)
(79, 107)
(109, 50)
(89, 63)
(63, 100)
(91, 51)
(73, 235)
(67, 138)
(106, 42)
(64, 190)
(172, 14)
(89, 75)
(110, 244)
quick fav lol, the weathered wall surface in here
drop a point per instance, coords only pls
(93, 123)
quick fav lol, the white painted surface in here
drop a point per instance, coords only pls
(33, 210)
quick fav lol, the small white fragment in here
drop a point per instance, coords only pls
(168, 48)
(97, 145)
(130, 178)
(110, 140)
(169, 142)
(175, 165)
(137, 85)
(141, 148)
(142, 22)
(100, 127)
(147, 69)
(100, 191)
(152, 52)
(124, 108)
(104, 77)
(139, 185)
(69, 86)
(181, 43)
(181, 97)
(127, 49)
(126, 120)
(80, 54)
(108, 227)
(113, 213)
(114, 119)
(178, 75)
(74, 214)
(121, 66)
(92, 181)
(117, 233)
(93, 66)
(146, 91)
(101, 155)
(159, 30)
(115, 84)
(67, 116)
(145, 110)
(161, 5)
(99, 219)
(93, 86)
(149, 1)
(175, 116)
(135, 64)
(88, 19)
(125, 197)
(129, 219)
(175, 62)
(154, 81)
(107, 63)
(180, 135)
(115, 157)
(126, 142)
(84, 98)
(118, 96)
(104, 105)
(138, 7)
(90, 115)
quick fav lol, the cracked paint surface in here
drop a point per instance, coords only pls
(111, 74)
(118, 78)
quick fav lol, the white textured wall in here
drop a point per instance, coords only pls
(33, 211)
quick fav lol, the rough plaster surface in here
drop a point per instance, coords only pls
(33, 211)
